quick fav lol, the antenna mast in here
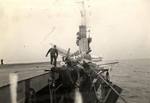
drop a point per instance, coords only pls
(82, 40)
(83, 14)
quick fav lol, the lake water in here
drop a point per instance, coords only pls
(134, 77)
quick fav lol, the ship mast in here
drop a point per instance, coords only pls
(83, 14)
(82, 40)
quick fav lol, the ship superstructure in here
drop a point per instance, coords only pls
(90, 79)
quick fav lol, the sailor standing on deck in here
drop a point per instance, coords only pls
(53, 55)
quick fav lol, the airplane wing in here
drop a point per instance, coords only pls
(75, 53)
(96, 58)
(61, 51)
(107, 63)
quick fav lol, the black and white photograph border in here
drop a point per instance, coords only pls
(74, 51)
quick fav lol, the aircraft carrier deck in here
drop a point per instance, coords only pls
(32, 77)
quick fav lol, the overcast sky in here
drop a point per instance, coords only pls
(120, 28)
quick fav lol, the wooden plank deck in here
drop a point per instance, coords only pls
(29, 76)
(24, 71)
